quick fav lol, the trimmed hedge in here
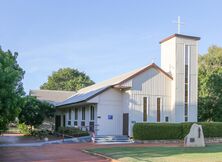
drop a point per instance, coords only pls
(164, 131)
(157, 131)
(75, 132)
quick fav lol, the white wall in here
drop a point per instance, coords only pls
(110, 103)
(172, 59)
(151, 84)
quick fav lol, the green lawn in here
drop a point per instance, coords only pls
(211, 153)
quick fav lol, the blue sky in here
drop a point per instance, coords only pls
(103, 38)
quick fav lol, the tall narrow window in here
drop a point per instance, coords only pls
(145, 109)
(69, 114)
(76, 113)
(83, 113)
(186, 82)
(92, 112)
(158, 109)
(92, 117)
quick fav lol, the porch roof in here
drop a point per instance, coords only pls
(89, 92)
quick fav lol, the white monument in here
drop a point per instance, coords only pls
(195, 138)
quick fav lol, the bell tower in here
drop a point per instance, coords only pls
(179, 57)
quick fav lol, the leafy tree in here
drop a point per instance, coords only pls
(33, 111)
(210, 85)
(67, 79)
(11, 88)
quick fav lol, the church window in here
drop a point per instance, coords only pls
(186, 82)
(145, 109)
(76, 113)
(92, 112)
(83, 113)
(158, 109)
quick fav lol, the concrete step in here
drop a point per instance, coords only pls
(111, 139)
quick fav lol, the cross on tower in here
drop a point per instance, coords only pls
(153, 59)
(179, 23)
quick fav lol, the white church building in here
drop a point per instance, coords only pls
(148, 94)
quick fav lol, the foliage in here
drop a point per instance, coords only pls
(41, 133)
(158, 131)
(33, 111)
(67, 79)
(11, 88)
(212, 129)
(24, 129)
(75, 132)
(210, 85)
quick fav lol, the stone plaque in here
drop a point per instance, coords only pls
(195, 138)
(192, 139)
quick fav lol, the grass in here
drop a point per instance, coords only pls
(211, 153)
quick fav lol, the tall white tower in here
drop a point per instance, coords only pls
(179, 57)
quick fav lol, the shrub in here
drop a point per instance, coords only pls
(185, 129)
(75, 132)
(24, 129)
(157, 131)
(212, 129)
(41, 133)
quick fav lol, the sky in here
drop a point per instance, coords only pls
(102, 38)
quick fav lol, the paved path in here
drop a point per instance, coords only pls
(58, 152)
(48, 153)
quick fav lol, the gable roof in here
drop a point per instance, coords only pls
(91, 91)
(180, 36)
(52, 96)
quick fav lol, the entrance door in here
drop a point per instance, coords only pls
(57, 122)
(125, 123)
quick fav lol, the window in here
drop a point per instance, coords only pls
(69, 114)
(75, 123)
(82, 123)
(158, 109)
(76, 114)
(186, 82)
(145, 109)
(92, 112)
(91, 126)
(69, 122)
(83, 113)
(166, 118)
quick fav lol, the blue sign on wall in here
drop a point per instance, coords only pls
(110, 117)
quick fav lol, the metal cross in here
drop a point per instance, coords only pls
(179, 23)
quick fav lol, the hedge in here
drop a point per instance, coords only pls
(75, 132)
(157, 131)
(160, 131)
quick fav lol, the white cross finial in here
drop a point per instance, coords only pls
(153, 59)
(179, 23)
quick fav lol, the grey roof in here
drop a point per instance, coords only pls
(93, 90)
(51, 96)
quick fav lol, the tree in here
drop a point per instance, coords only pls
(33, 111)
(11, 88)
(210, 85)
(67, 79)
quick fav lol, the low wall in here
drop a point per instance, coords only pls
(207, 141)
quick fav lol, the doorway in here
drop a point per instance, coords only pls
(57, 122)
(64, 120)
(125, 124)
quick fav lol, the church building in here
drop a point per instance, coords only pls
(149, 94)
